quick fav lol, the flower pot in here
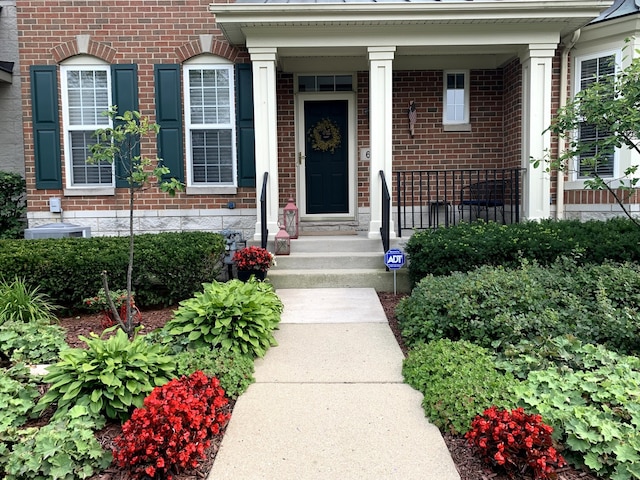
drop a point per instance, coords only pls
(245, 275)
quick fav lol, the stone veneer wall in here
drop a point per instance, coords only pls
(11, 144)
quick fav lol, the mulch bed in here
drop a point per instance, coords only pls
(469, 466)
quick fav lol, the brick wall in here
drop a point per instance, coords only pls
(144, 32)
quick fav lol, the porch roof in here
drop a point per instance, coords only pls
(426, 33)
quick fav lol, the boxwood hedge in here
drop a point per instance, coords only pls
(469, 245)
(168, 267)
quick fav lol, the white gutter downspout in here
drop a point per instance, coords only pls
(562, 142)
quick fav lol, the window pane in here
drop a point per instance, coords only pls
(306, 83)
(88, 97)
(210, 93)
(343, 83)
(212, 156)
(83, 173)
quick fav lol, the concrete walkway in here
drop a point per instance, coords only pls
(329, 401)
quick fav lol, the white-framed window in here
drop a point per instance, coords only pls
(210, 124)
(591, 69)
(456, 97)
(86, 95)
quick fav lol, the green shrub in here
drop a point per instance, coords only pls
(112, 376)
(33, 343)
(65, 449)
(592, 399)
(469, 245)
(169, 267)
(458, 380)
(13, 205)
(22, 303)
(18, 395)
(495, 307)
(236, 316)
(234, 370)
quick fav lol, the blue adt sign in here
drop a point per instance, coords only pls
(394, 259)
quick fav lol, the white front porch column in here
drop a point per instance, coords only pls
(380, 130)
(536, 117)
(265, 119)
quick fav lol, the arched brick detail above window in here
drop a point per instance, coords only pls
(206, 44)
(83, 46)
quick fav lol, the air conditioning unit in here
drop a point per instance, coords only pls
(57, 230)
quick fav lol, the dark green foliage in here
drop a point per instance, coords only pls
(234, 370)
(12, 205)
(495, 307)
(169, 267)
(458, 380)
(467, 246)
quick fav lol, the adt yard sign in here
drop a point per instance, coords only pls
(394, 259)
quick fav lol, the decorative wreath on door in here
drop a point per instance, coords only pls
(325, 136)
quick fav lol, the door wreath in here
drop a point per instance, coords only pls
(325, 136)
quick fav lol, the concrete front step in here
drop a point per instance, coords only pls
(378, 279)
(329, 260)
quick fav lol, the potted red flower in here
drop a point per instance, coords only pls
(253, 261)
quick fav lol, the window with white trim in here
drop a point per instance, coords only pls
(590, 70)
(210, 125)
(86, 95)
(456, 97)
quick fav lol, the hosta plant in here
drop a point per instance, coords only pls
(237, 316)
(516, 442)
(173, 428)
(112, 376)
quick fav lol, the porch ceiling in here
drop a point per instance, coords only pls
(426, 35)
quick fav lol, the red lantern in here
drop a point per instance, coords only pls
(291, 219)
(282, 242)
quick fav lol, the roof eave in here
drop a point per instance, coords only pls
(231, 17)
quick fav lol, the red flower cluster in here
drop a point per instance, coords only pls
(253, 258)
(173, 428)
(515, 441)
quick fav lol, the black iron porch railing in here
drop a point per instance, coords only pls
(264, 231)
(427, 199)
(385, 228)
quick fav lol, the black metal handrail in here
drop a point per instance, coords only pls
(385, 229)
(264, 231)
(427, 199)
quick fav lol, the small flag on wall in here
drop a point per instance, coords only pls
(413, 116)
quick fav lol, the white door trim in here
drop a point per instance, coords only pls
(301, 98)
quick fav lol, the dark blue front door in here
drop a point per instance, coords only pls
(326, 148)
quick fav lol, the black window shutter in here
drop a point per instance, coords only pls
(46, 126)
(244, 126)
(169, 117)
(124, 92)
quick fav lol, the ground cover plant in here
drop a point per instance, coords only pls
(458, 380)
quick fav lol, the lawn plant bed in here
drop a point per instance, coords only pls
(469, 466)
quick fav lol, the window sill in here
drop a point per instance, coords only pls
(456, 127)
(89, 191)
(210, 190)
